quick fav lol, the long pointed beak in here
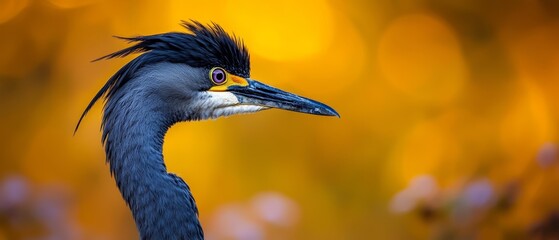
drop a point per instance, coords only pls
(257, 93)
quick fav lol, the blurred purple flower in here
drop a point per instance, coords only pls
(51, 206)
(52, 209)
(478, 194)
(547, 155)
(47, 209)
(14, 191)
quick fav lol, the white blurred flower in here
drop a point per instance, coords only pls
(402, 202)
(234, 221)
(275, 208)
(249, 221)
(421, 188)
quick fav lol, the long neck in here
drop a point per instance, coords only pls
(161, 203)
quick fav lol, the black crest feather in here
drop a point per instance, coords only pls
(205, 46)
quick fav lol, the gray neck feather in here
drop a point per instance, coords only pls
(134, 125)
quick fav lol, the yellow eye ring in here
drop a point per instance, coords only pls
(218, 76)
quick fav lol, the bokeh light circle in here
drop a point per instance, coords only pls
(526, 126)
(71, 3)
(420, 55)
(282, 30)
(11, 8)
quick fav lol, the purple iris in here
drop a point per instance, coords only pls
(218, 76)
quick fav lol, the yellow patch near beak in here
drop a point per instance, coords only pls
(230, 80)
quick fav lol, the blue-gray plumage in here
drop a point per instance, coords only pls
(178, 77)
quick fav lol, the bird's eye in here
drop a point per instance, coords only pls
(218, 76)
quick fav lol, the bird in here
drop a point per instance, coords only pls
(198, 74)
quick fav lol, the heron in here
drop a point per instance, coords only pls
(202, 73)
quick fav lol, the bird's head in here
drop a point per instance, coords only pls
(204, 73)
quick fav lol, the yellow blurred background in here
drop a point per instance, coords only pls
(447, 131)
